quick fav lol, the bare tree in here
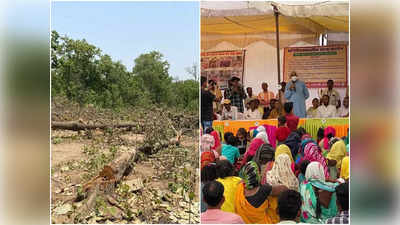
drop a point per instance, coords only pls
(193, 70)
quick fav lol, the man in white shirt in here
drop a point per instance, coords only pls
(334, 96)
(229, 112)
(253, 113)
(344, 110)
(326, 110)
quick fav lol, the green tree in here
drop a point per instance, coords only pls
(152, 70)
(83, 74)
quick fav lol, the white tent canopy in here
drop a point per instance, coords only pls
(251, 26)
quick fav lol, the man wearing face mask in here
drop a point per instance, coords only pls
(297, 92)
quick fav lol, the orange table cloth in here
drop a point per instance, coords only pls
(311, 125)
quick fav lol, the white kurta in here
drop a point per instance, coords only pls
(249, 115)
(342, 112)
(231, 115)
(326, 111)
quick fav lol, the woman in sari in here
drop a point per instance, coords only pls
(281, 149)
(263, 156)
(276, 111)
(293, 141)
(345, 168)
(329, 132)
(318, 196)
(280, 174)
(255, 144)
(335, 156)
(217, 143)
(225, 174)
(313, 153)
(251, 202)
(207, 141)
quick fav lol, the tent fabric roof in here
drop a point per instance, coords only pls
(314, 17)
(209, 41)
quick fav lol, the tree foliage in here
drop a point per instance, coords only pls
(82, 73)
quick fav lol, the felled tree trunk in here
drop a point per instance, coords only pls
(105, 182)
(77, 126)
(154, 149)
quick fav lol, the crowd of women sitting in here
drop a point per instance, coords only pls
(246, 180)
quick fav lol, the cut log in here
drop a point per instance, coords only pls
(104, 183)
(154, 149)
(77, 126)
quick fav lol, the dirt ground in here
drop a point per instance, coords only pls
(161, 188)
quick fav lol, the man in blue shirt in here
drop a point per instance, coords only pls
(297, 92)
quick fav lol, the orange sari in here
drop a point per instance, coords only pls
(249, 213)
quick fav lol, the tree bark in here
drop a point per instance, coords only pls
(77, 126)
(100, 186)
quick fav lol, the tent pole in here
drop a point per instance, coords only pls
(277, 42)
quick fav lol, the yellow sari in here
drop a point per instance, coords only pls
(345, 170)
(249, 213)
(283, 149)
(337, 153)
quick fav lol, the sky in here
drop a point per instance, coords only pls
(124, 30)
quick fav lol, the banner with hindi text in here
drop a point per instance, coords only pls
(315, 65)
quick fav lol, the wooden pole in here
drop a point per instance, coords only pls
(277, 42)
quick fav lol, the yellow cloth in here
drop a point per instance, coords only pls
(249, 213)
(337, 152)
(272, 213)
(312, 113)
(281, 149)
(230, 187)
(345, 169)
(275, 113)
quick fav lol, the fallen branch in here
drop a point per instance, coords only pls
(154, 149)
(77, 126)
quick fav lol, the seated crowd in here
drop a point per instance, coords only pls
(244, 179)
(237, 105)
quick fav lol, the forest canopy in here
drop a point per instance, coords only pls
(83, 74)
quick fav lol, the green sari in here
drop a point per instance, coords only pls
(309, 202)
(315, 177)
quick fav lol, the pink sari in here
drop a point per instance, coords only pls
(251, 151)
(217, 142)
(327, 131)
(312, 153)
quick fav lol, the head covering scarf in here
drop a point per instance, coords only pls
(206, 142)
(263, 136)
(303, 145)
(344, 171)
(266, 151)
(333, 140)
(337, 152)
(206, 158)
(315, 171)
(315, 178)
(293, 141)
(261, 129)
(254, 145)
(327, 131)
(250, 175)
(283, 149)
(312, 153)
(253, 133)
(282, 174)
(305, 137)
(217, 142)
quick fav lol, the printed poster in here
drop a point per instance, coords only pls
(221, 66)
(315, 65)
